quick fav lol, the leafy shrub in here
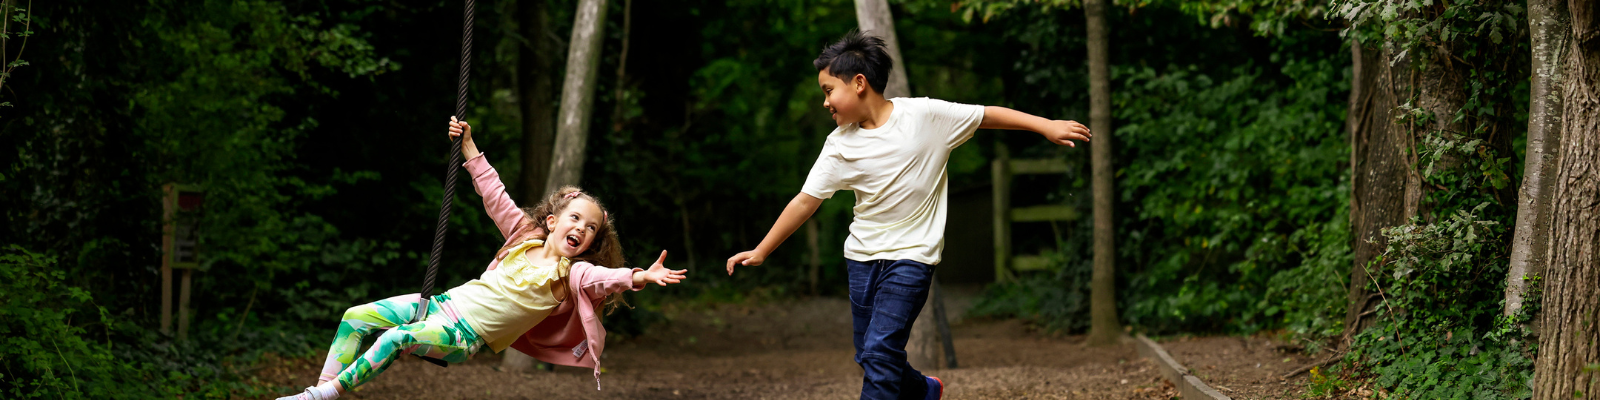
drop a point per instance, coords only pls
(1440, 334)
(57, 340)
(1238, 192)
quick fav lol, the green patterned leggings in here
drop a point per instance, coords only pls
(442, 335)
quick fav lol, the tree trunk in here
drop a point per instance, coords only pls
(534, 93)
(1104, 328)
(1550, 36)
(1378, 166)
(874, 18)
(1569, 341)
(577, 94)
(577, 97)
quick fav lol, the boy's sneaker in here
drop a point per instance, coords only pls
(935, 388)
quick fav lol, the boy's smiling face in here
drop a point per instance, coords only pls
(843, 98)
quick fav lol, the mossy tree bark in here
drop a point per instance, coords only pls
(1568, 364)
(1550, 36)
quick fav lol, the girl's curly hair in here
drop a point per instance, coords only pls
(604, 251)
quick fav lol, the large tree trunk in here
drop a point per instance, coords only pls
(1104, 328)
(1389, 188)
(577, 97)
(873, 17)
(1569, 341)
(1378, 167)
(535, 94)
(577, 94)
(1551, 34)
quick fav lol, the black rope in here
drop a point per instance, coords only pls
(451, 168)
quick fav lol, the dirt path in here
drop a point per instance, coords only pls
(796, 350)
(1244, 368)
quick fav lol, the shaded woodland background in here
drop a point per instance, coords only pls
(1259, 185)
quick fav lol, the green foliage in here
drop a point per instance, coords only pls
(1413, 24)
(1238, 196)
(213, 94)
(1319, 385)
(1265, 17)
(1440, 333)
(61, 343)
(1231, 176)
(15, 23)
(45, 353)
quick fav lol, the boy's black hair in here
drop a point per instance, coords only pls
(857, 53)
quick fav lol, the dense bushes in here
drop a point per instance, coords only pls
(1235, 193)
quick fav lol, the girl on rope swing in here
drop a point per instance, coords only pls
(540, 299)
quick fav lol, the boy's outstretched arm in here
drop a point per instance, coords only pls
(793, 215)
(1057, 131)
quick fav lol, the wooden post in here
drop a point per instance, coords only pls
(167, 207)
(180, 207)
(183, 305)
(1001, 174)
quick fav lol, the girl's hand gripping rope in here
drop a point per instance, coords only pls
(659, 274)
(469, 149)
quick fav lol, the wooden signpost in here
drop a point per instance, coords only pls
(180, 238)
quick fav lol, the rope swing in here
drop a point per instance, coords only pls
(449, 176)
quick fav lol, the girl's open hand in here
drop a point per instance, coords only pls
(659, 273)
(460, 128)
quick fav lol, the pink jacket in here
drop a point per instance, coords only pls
(572, 334)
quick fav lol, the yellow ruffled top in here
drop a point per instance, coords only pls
(512, 298)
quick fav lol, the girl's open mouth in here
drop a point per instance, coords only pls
(572, 241)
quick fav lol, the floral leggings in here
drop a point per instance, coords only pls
(442, 335)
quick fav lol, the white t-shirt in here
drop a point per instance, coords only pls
(898, 174)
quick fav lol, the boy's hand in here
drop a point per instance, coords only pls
(659, 274)
(1064, 132)
(750, 258)
(460, 128)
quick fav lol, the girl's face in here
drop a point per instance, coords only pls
(842, 98)
(574, 228)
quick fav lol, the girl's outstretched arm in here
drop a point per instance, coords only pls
(496, 202)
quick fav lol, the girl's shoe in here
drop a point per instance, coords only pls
(313, 393)
(935, 388)
(309, 394)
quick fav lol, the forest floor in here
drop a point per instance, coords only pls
(800, 349)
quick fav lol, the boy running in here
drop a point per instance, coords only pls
(892, 153)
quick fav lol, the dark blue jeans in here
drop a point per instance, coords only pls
(885, 298)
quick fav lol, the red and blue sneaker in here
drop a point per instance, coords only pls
(935, 388)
